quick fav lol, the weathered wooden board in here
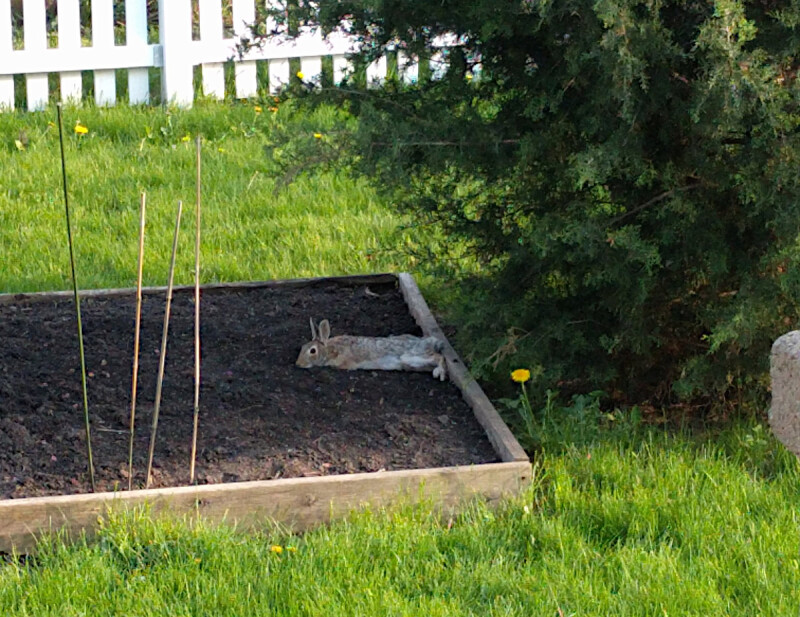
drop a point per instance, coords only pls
(48, 296)
(504, 442)
(300, 503)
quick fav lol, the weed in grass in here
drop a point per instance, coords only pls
(558, 426)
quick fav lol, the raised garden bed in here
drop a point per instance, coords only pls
(275, 440)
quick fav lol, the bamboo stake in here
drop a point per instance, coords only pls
(136, 332)
(77, 301)
(196, 317)
(163, 358)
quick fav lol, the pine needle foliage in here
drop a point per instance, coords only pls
(623, 173)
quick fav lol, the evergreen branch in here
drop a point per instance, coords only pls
(654, 200)
(406, 144)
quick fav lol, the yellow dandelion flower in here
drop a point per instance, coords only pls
(273, 109)
(317, 135)
(300, 75)
(257, 109)
(185, 138)
(276, 549)
(521, 375)
(220, 149)
(469, 76)
(197, 560)
(80, 129)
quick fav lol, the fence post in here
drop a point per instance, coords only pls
(6, 47)
(211, 33)
(407, 67)
(136, 36)
(376, 72)
(175, 34)
(69, 41)
(35, 38)
(244, 14)
(105, 81)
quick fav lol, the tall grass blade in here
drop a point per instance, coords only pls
(163, 358)
(77, 300)
(196, 317)
(136, 333)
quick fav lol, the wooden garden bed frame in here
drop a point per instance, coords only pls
(300, 503)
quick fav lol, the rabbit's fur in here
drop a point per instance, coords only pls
(390, 353)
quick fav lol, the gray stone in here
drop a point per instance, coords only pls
(784, 413)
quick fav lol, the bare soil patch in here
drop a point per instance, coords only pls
(261, 417)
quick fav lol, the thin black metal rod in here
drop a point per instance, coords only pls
(136, 337)
(163, 359)
(196, 316)
(77, 301)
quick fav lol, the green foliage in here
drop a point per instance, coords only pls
(556, 427)
(623, 174)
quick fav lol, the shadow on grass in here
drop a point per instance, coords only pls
(581, 424)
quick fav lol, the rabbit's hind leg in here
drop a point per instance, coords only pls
(435, 362)
(441, 368)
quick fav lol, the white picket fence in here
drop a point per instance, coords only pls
(176, 53)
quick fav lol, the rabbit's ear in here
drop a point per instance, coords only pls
(313, 329)
(324, 331)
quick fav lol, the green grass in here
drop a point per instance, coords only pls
(320, 225)
(623, 520)
(665, 527)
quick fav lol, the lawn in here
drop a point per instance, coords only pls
(665, 526)
(623, 519)
(319, 225)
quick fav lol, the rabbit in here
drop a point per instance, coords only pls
(390, 353)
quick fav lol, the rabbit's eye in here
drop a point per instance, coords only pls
(312, 350)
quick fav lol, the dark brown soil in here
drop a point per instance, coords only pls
(261, 417)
